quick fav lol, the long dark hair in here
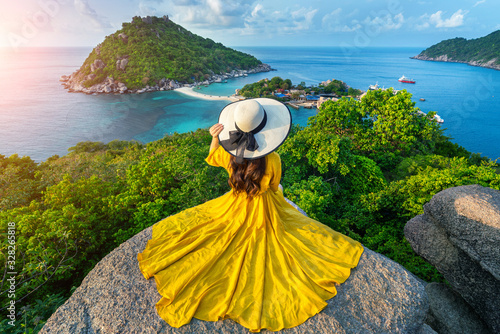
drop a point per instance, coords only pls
(246, 176)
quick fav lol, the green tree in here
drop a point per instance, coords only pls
(18, 186)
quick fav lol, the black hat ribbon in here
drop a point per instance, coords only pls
(241, 140)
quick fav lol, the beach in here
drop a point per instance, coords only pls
(191, 92)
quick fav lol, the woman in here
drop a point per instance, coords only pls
(247, 255)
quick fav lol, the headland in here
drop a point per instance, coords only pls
(155, 54)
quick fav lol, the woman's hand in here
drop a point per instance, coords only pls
(216, 129)
(214, 132)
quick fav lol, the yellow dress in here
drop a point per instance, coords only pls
(259, 262)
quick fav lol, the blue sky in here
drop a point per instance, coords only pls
(419, 23)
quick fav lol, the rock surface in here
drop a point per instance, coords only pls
(444, 58)
(121, 64)
(450, 314)
(97, 64)
(123, 37)
(379, 297)
(459, 233)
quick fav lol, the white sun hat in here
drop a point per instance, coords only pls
(254, 128)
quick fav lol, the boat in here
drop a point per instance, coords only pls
(438, 118)
(422, 99)
(373, 87)
(406, 80)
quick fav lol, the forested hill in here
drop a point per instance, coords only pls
(155, 51)
(484, 51)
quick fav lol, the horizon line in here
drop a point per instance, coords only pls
(231, 46)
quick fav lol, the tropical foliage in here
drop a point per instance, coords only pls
(267, 88)
(362, 167)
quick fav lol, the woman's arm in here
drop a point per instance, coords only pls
(275, 161)
(214, 132)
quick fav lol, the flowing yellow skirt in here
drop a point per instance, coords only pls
(259, 262)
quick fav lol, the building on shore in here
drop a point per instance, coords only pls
(324, 98)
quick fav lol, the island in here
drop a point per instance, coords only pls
(483, 52)
(295, 96)
(154, 53)
(299, 95)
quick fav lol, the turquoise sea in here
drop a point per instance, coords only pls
(39, 118)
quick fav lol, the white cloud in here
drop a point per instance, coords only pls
(355, 26)
(424, 19)
(261, 20)
(479, 2)
(335, 21)
(386, 22)
(304, 14)
(216, 6)
(84, 9)
(211, 14)
(146, 10)
(185, 2)
(331, 21)
(456, 19)
(353, 13)
(256, 10)
(239, 17)
(301, 20)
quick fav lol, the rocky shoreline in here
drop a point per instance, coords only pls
(444, 58)
(74, 83)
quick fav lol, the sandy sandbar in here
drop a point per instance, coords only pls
(189, 91)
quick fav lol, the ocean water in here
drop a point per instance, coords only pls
(39, 118)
